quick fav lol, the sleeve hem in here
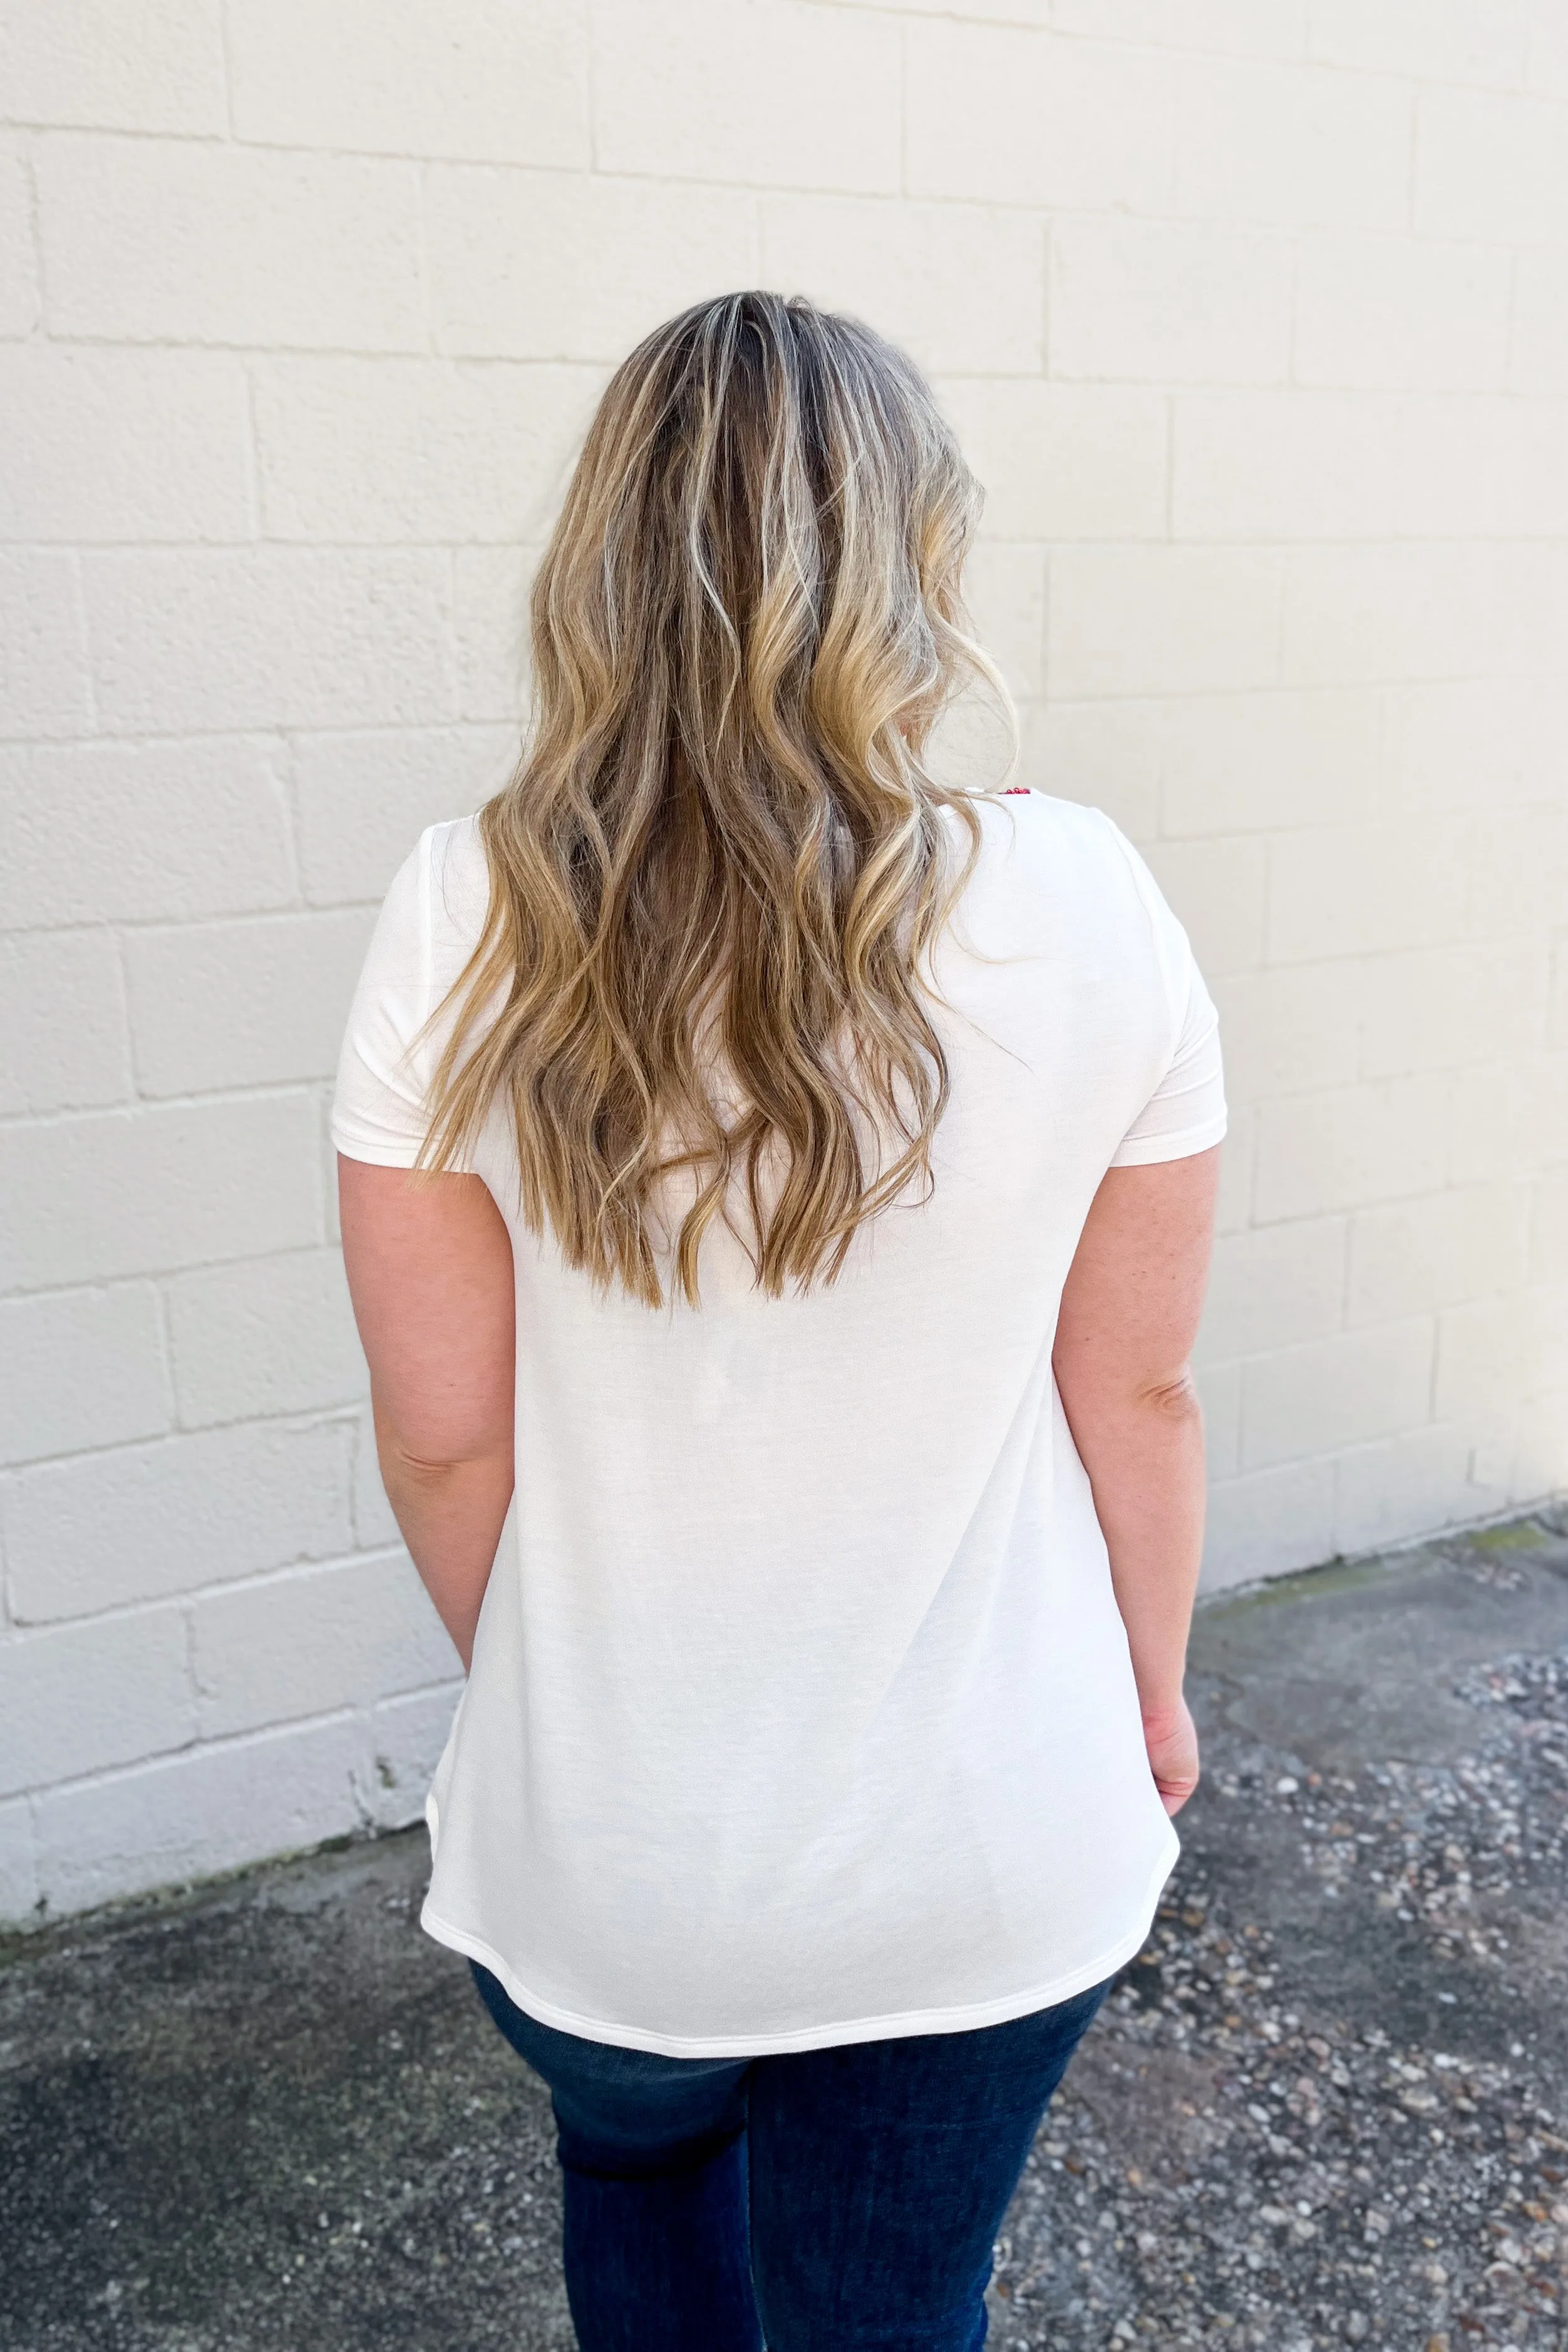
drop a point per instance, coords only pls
(1183, 1143)
(375, 1154)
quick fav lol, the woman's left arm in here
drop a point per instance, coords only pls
(430, 1273)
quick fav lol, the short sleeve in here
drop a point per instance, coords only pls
(380, 1109)
(1186, 1114)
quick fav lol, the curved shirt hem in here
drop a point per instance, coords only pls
(967, 2019)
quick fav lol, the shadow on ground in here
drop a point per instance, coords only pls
(1325, 2105)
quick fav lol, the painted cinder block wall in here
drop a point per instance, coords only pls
(1254, 315)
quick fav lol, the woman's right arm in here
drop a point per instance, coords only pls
(1129, 1317)
(430, 1272)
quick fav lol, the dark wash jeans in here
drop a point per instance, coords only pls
(827, 2200)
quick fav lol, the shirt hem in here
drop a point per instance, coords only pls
(834, 2035)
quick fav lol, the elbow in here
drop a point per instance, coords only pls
(432, 1455)
(1128, 1400)
(407, 1475)
(435, 1465)
(1173, 1398)
(413, 1469)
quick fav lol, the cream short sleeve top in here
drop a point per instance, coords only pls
(801, 1711)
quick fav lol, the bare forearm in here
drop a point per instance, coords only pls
(1144, 1456)
(451, 1514)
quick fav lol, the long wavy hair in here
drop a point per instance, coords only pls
(721, 862)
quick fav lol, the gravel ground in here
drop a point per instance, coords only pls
(1326, 2105)
(1251, 2151)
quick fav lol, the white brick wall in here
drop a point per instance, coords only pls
(1254, 315)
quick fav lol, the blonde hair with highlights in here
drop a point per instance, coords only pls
(719, 869)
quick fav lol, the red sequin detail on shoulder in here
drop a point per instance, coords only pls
(1007, 790)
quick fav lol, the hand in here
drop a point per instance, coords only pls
(1172, 1740)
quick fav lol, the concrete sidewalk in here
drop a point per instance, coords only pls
(1326, 2105)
